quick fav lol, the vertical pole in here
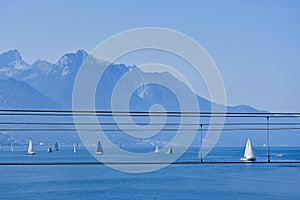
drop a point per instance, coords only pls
(268, 139)
(201, 155)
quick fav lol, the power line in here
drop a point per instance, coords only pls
(60, 127)
(145, 123)
(138, 130)
(144, 112)
(145, 163)
(83, 113)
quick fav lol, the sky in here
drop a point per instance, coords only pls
(255, 44)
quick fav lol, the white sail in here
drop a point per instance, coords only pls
(99, 149)
(170, 150)
(30, 149)
(30, 146)
(248, 154)
(12, 147)
(56, 147)
(248, 150)
(49, 150)
(74, 148)
(156, 149)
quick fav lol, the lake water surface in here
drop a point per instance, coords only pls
(180, 181)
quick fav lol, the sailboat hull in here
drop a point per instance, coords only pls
(99, 153)
(30, 153)
(248, 159)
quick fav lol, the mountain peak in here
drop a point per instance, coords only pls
(9, 56)
(12, 65)
(78, 56)
(69, 63)
(81, 53)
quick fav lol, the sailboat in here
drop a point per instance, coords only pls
(170, 150)
(74, 149)
(99, 149)
(49, 150)
(156, 150)
(12, 147)
(56, 147)
(248, 154)
(30, 150)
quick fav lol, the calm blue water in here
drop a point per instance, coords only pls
(209, 181)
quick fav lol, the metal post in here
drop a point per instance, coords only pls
(201, 156)
(268, 139)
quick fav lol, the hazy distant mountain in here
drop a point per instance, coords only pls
(11, 64)
(44, 85)
(53, 80)
(20, 95)
(56, 80)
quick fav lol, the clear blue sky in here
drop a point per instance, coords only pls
(255, 44)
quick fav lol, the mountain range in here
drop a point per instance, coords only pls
(45, 85)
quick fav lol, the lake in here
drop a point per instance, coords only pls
(180, 181)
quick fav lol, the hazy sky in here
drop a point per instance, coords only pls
(255, 44)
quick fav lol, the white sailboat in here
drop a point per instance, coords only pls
(56, 147)
(74, 149)
(49, 149)
(248, 154)
(156, 150)
(170, 150)
(99, 149)
(30, 149)
(12, 147)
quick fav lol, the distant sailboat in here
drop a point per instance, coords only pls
(12, 147)
(74, 149)
(49, 150)
(30, 149)
(156, 149)
(56, 147)
(170, 150)
(248, 154)
(99, 149)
